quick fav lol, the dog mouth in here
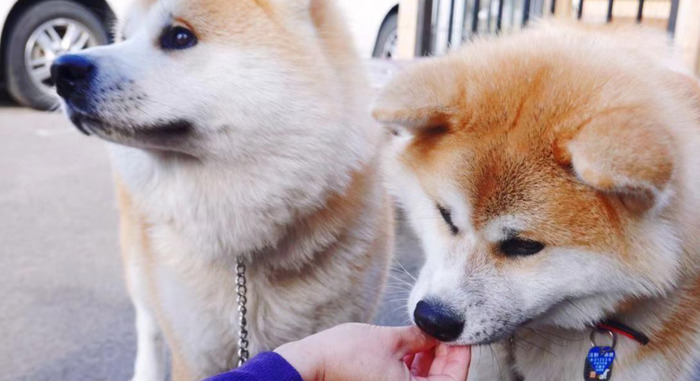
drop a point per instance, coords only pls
(160, 131)
(509, 330)
(82, 123)
(501, 333)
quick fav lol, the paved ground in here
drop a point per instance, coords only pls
(64, 312)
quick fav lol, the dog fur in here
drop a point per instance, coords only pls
(257, 142)
(587, 141)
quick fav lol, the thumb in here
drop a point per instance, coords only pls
(452, 362)
(408, 340)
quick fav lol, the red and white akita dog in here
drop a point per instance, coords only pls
(554, 178)
(241, 129)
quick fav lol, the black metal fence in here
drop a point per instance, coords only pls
(640, 12)
(446, 23)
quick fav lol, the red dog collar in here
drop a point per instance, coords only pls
(624, 330)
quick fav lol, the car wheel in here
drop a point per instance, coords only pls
(42, 32)
(387, 41)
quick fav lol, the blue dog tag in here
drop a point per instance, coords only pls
(599, 364)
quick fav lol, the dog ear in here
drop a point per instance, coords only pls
(687, 87)
(631, 158)
(419, 98)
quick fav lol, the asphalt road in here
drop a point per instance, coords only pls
(64, 311)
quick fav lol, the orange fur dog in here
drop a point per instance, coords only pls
(553, 178)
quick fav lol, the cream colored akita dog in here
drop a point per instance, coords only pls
(554, 178)
(241, 129)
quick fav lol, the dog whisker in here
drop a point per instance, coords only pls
(498, 362)
(401, 280)
(553, 334)
(404, 270)
(397, 287)
(478, 348)
(548, 339)
(521, 339)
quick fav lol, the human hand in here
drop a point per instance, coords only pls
(360, 352)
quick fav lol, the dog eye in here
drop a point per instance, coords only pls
(517, 247)
(447, 216)
(177, 38)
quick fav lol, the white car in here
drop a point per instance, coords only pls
(374, 25)
(34, 32)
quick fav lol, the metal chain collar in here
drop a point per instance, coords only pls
(241, 300)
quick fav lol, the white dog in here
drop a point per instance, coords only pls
(241, 131)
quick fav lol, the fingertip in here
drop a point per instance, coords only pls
(459, 350)
(422, 362)
(411, 340)
(454, 361)
(408, 359)
(460, 354)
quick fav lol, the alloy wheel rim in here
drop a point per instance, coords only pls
(390, 46)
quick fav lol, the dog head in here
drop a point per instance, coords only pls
(538, 171)
(210, 77)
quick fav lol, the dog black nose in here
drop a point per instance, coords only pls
(438, 320)
(71, 73)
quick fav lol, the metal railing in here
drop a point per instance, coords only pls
(640, 12)
(446, 23)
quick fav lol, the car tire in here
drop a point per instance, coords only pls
(20, 84)
(388, 34)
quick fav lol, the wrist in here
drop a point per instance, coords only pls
(307, 363)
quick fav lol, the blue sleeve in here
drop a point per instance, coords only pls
(266, 366)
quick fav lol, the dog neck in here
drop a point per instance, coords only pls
(218, 209)
(671, 322)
